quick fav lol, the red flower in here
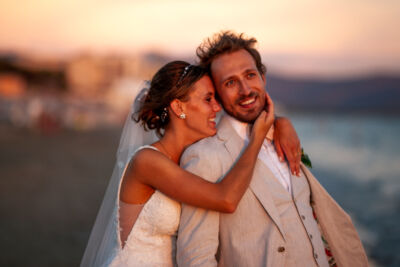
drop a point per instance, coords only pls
(328, 252)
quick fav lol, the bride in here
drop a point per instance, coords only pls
(139, 216)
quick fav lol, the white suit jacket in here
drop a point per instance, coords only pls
(253, 235)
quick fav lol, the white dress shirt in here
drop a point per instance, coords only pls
(267, 153)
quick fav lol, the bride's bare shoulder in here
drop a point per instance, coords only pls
(135, 186)
(146, 159)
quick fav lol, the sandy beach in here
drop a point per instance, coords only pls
(50, 190)
(51, 186)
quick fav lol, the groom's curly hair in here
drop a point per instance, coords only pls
(228, 42)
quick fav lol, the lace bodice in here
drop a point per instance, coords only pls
(151, 241)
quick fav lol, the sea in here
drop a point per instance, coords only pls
(356, 157)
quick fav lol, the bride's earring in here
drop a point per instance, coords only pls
(182, 116)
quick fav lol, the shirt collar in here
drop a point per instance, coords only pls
(242, 128)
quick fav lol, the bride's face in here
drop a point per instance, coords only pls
(201, 109)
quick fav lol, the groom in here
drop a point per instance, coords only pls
(281, 220)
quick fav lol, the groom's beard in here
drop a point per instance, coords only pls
(244, 118)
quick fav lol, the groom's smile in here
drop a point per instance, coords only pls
(239, 85)
(249, 101)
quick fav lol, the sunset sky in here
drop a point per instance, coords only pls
(298, 37)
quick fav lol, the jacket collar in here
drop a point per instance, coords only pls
(235, 145)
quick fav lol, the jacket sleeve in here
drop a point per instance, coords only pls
(197, 242)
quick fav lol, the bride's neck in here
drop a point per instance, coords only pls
(174, 143)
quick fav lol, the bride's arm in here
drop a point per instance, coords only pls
(152, 168)
(287, 143)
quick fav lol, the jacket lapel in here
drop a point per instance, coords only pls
(235, 146)
(336, 226)
(261, 190)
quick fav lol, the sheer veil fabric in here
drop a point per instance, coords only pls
(104, 239)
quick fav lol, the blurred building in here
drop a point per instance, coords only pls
(12, 85)
(90, 75)
(83, 92)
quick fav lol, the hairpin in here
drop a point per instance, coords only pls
(164, 115)
(185, 71)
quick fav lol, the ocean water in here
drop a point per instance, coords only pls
(357, 159)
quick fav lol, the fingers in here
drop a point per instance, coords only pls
(289, 143)
(291, 160)
(279, 150)
(269, 107)
(269, 104)
(293, 156)
(297, 158)
(260, 120)
(262, 116)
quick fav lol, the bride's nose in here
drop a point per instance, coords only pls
(216, 106)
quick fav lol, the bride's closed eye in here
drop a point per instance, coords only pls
(209, 97)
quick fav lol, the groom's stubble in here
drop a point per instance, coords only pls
(239, 85)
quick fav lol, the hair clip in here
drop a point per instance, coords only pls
(185, 71)
(164, 115)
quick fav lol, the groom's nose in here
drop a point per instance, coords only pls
(244, 88)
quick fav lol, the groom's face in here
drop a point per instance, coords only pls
(239, 85)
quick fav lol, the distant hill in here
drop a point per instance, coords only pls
(369, 94)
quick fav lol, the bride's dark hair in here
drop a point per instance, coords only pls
(173, 81)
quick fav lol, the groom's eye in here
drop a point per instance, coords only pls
(251, 75)
(230, 83)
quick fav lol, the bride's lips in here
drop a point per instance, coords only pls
(212, 121)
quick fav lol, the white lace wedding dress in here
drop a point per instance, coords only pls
(152, 240)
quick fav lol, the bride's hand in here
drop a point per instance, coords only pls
(265, 120)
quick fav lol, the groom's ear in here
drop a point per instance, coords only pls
(176, 107)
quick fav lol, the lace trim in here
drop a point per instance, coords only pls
(117, 217)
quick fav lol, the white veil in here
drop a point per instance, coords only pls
(104, 239)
